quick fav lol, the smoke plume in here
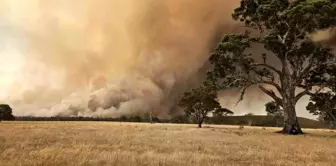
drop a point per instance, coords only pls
(110, 57)
(107, 57)
(327, 37)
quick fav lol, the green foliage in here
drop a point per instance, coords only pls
(199, 103)
(223, 112)
(283, 29)
(218, 115)
(286, 37)
(324, 105)
(6, 112)
(273, 109)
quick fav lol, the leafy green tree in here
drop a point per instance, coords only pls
(273, 109)
(323, 104)
(6, 112)
(199, 103)
(283, 29)
(222, 112)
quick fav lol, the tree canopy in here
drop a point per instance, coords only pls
(324, 105)
(199, 102)
(222, 112)
(283, 29)
(273, 109)
(6, 112)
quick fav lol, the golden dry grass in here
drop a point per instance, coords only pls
(103, 143)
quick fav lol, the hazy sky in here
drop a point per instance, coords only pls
(54, 51)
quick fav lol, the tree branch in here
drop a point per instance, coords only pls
(271, 94)
(283, 39)
(330, 113)
(269, 67)
(307, 92)
(307, 69)
(233, 82)
(309, 86)
(300, 95)
(243, 93)
(273, 84)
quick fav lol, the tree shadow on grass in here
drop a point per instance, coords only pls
(281, 132)
(316, 135)
(332, 136)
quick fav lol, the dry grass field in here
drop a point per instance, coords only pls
(103, 143)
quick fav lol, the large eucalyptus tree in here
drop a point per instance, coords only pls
(283, 28)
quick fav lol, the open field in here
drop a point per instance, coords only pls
(107, 143)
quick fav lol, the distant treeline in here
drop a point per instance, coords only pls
(253, 120)
(120, 119)
(267, 121)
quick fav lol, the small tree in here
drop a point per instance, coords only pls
(324, 105)
(199, 103)
(6, 112)
(223, 112)
(283, 29)
(273, 109)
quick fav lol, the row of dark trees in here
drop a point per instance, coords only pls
(248, 119)
(291, 66)
(220, 117)
(6, 112)
(136, 118)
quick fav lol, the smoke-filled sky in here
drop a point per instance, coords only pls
(110, 57)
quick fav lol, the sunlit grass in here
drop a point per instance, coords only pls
(103, 143)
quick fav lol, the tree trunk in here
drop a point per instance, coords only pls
(332, 124)
(150, 118)
(200, 122)
(291, 124)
